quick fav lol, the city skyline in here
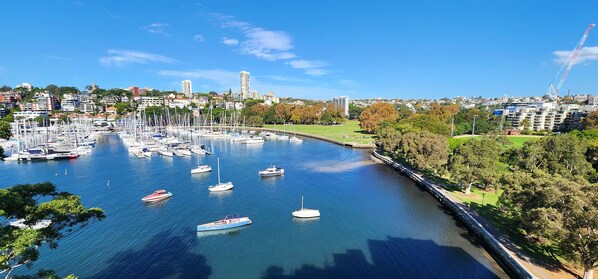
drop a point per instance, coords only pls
(387, 50)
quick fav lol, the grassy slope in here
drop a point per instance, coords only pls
(347, 132)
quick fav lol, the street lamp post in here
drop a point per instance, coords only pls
(483, 196)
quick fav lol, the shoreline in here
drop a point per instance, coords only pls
(508, 259)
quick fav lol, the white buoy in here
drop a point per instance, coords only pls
(108, 184)
(65, 172)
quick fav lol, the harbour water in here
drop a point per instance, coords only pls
(374, 224)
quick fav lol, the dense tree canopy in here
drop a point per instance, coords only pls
(19, 246)
(373, 116)
(5, 129)
(476, 160)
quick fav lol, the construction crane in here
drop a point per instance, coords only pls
(554, 92)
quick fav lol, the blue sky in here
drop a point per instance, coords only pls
(303, 49)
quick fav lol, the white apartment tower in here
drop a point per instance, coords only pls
(244, 85)
(342, 102)
(187, 88)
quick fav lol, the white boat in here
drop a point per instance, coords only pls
(221, 186)
(181, 152)
(283, 137)
(228, 222)
(305, 212)
(254, 140)
(20, 223)
(295, 140)
(271, 171)
(165, 152)
(201, 169)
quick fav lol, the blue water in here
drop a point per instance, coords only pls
(374, 224)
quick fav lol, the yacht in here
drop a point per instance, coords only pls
(271, 171)
(221, 186)
(229, 221)
(201, 169)
(165, 152)
(254, 140)
(295, 139)
(305, 212)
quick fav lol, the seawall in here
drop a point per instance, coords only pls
(498, 251)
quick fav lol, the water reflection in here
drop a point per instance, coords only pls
(221, 195)
(227, 232)
(157, 204)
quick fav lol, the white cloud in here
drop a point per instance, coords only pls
(266, 44)
(199, 38)
(271, 45)
(585, 54)
(310, 67)
(222, 77)
(121, 58)
(156, 28)
(230, 41)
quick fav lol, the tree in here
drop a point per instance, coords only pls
(551, 208)
(5, 130)
(52, 88)
(371, 118)
(255, 121)
(122, 108)
(562, 154)
(355, 111)
(5, 88)
(525, 123)
(475, 160)
(427, 122)
(589, 122)
(1, 152)
(19, 246)
(431, 151)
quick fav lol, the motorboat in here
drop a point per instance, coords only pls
(271, 171)
(201, 169)
(165, 152)
(305, 212)
(221, 186)
(20, 223)
(283, 137)
(156, 196)
(254, 140)
(228, 222)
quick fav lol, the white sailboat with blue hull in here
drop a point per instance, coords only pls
(228, 222)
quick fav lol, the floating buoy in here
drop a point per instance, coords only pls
(108, 184)
(65, 172)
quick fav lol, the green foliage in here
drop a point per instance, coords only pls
(355, 111)
(5, 88)
(255, 121)
(5, 129)
(427, 122)
(476, 161)
(455, 142)
(122, 108)
(20, 246)
(551, 208)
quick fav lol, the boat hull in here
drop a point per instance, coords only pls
(157, 198)
(219, 225)
(221, 187)
(306, 213)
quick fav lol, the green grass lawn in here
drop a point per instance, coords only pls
(349, 132)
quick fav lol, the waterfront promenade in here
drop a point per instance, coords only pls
(513, 260)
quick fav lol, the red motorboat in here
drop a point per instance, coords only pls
(156, 196)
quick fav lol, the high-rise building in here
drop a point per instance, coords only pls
(342, 102)
(187, 88)
(244, 85)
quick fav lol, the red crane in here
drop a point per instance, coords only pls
(554, 92)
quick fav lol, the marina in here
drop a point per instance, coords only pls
(371, 217)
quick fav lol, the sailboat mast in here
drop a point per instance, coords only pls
(301, 202)
(218, 170)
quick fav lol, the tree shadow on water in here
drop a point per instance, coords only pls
(394, 258)
(166, 255)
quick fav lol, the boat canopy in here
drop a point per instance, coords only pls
(160, 192)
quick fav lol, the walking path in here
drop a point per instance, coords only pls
(513, 260)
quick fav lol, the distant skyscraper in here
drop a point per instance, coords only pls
(187, 88)
(342, 102)
(244, 85)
